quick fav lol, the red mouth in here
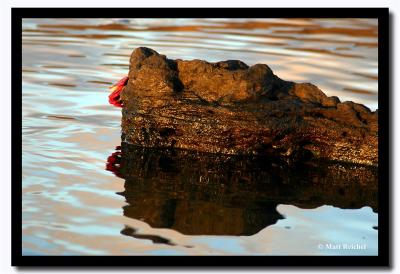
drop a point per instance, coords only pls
(115, 97)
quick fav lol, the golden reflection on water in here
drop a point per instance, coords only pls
(70, 205)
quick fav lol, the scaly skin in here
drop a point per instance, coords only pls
(231, 108)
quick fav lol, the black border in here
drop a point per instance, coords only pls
(383, 258)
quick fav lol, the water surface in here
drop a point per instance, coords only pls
(73, 205)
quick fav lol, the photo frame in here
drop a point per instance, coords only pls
(381, 259)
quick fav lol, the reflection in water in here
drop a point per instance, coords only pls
(205, 194)
(114, 162)
(129, 231)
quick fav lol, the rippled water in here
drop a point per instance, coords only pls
(73, 205)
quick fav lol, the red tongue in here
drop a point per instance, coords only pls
(114, 98)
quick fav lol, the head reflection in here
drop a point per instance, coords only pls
(205, 194)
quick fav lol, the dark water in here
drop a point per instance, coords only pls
(83, 196)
